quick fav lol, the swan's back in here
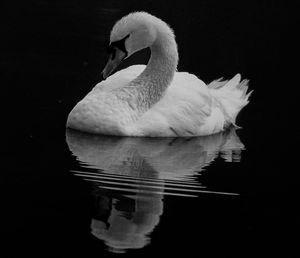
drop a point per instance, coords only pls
(192, 108)
(183, 111)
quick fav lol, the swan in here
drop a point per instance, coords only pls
(155, 100)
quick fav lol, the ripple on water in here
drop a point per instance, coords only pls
(130, 177)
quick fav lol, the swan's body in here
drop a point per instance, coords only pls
(155, 100)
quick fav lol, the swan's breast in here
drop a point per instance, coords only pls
(101, 113)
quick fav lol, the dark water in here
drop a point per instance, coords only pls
(64, 193)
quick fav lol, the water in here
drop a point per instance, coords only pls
(233, 194)
(132, 177)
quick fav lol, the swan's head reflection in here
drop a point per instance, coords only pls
(132, 175)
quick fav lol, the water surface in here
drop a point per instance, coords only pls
(131, 176)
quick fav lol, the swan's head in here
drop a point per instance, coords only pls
(130, 34)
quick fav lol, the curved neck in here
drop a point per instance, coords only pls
(159, 72)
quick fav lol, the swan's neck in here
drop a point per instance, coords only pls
(152, 83)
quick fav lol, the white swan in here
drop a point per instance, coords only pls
(155, 100)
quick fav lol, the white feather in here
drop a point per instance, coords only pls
(156, 100)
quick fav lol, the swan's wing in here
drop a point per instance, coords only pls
(120, 78)
(186, 109)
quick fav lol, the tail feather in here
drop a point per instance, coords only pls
(231, 96)
(243, 86)
(216, 84)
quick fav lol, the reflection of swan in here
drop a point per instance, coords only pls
(155, 100)
(130, 220)
(133, 175)
(170, 158)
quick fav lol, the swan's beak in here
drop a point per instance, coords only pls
(113, 62)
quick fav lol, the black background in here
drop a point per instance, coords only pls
(52, 54)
